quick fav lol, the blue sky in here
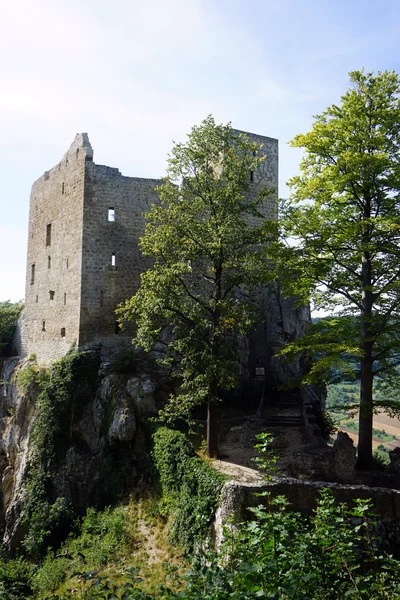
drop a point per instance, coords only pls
(138, 75)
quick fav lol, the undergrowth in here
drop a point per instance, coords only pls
(63, 392)
(190, 488)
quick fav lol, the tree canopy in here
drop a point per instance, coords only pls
(343, 220)
(9, 313)
(205, 238)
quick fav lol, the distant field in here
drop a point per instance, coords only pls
(383, 423)
(387, 429)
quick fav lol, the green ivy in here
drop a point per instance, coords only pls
(190, 487)
(64, 391)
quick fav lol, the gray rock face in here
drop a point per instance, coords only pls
(123, 426)
(112, 418)
(141, 390)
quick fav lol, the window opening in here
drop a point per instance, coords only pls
(49, 262)
(62, 188)
(48, 234)
(32, 273)
(113, 260)
(111, 214)
(67, 262)
(65, 298)
(43, 325)
(62, 331)
(117, 329)
(37, 299)
(101, 298)
(51, 293)
(251, 175)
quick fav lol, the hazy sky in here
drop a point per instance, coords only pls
(137, 76)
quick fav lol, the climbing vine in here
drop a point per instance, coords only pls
(190, 487)
(68, 386)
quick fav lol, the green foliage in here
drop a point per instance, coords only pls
(15, 579)
(268, 457)
(63, 393)
(102, 536)
(190, 487)
(199, 296)
(9, 313)
(31, 378)
(327, 425)
(344, 219)
(280, 554)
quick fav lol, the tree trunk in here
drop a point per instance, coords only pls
(212, 429)
(364, 460)
(213, 396)
(366, 410)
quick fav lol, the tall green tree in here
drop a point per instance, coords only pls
(205, 238)
(9, 313)
(344, 217)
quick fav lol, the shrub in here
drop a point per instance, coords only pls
(65, 389)
(9, 314)
(190, 487)
(15, 579)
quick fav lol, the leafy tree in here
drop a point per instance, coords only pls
(344, 215)
(205, 239)
(9, 314)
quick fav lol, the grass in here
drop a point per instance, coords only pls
(109, 542)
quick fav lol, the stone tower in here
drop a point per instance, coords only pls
(83, 255)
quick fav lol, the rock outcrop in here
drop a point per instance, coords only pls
(104, 433)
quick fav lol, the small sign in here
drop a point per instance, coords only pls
(260, 371)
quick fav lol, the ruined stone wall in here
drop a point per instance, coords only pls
(54, 262)
(83, 252)
(111, 260)
(266, 176)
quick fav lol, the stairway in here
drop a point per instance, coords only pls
(282, 410)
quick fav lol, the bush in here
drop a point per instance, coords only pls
(15, 580)
(190, 487)
(65, 389)
(9, 314)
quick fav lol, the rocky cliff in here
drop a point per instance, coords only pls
(99, 440)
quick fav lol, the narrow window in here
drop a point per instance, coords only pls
(62, 188)
(65, 298)
(43, 325)
(251, 175)
(49, 262)
(32, 273)
(67, 262)
(48, 234)
(113, 260)
(62, 331)
(51, 294)
(117, 327)
(37, 299)
(111, 214)
(77, 152)
(101, 298)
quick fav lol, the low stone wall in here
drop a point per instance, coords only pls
(236, 497)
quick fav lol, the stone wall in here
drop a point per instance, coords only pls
(111, 259)
(236, 497)
(54, 263)
(83, 254)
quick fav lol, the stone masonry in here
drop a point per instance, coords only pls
(83, 254)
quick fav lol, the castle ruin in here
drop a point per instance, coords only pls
(83, 255)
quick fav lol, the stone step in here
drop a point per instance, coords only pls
(284, 421)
